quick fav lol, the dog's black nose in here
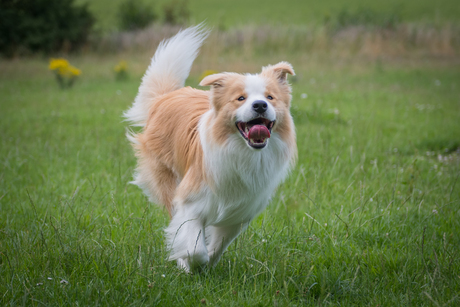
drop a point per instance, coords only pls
(259, 106)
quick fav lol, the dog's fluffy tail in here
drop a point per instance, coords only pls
(169, 68)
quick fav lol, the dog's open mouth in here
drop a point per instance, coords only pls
(256, 132)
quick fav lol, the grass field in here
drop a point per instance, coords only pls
(369, 217)
(299, 12)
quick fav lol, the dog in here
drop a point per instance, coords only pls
(212, 158)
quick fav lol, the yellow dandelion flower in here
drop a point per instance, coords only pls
(59, 63)
(120, 67)
(207, 73)
(66, 74)
(121, 71)
(74, 71)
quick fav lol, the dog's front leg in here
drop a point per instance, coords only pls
(219, 238)
(186, 241)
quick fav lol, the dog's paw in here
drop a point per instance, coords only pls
(194, 263)
(183, 264)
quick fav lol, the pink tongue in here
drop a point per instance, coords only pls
(258, 132)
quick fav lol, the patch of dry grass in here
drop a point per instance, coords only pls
(402, 40)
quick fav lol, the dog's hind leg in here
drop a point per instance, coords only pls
(219, 238)
(157, 181)
(166, 184)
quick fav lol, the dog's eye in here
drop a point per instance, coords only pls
(241, 98)
(269, 97)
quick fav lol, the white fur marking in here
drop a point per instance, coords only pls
(255, 90)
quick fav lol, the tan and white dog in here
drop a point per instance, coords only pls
(212, 158)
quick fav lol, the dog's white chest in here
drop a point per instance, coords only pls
(243, 180)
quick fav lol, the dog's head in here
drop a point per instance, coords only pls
(252, 105)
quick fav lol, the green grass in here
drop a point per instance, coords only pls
(370, 216)
(240, 12)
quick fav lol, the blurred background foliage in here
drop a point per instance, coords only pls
(43, 25)
(50, 26)
(135, 14)
(226, 14)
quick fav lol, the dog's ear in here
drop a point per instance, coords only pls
(280, 70)
(216, 80)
